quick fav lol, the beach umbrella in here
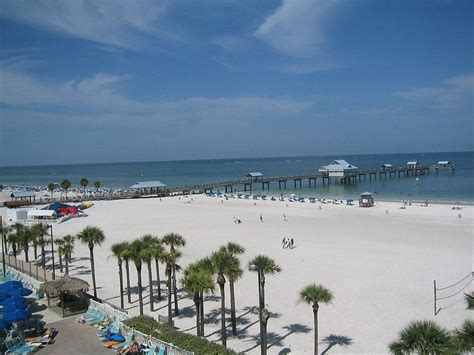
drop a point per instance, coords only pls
(12, 283)
(4, 324)
(17, 315)
(3, 295)
(12, 300)
(20, 292)
(13, 307)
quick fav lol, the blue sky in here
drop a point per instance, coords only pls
(108, 81)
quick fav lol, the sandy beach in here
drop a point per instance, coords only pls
(380, 266)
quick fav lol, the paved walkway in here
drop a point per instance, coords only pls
(75, 338)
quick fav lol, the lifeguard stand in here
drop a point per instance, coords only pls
(366, 199)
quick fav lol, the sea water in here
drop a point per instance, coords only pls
(442, 187)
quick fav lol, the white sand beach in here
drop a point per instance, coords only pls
(380, 267)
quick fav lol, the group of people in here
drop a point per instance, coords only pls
(288, 243)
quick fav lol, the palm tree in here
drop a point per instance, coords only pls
(60, 243)
(222, 262)
(12, 240)
(194, 282)
(135, 252)
(147, 256)
(126, 254)
(263, 265)
(51, 187)
(422, 337)
(204, 265)
(158, 251)
(96, 185)
(117, 251)
(40, 230)
(314, 295)
(68, 249)
(92, 236)
(233, 275)
(84, 182)
(65, 184)
(464, 337)
(174, 240)
(24, 236)
(170, 258)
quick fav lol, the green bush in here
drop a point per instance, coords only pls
(469, 300)
(168, 334)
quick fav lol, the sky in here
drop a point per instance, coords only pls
(88, 81)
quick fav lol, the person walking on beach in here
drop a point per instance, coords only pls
(261, 218)
(283, 242)
(284, 217)
(292, 243)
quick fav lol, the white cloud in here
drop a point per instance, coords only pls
(454, 93)
(116, 23)
(297, 27)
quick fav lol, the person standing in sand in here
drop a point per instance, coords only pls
(283, 242)
(261, 218)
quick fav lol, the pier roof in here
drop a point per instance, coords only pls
(21, 194)
(147, 184)
(412, 162)
(255, 174)
(444, 162)
(338, 165)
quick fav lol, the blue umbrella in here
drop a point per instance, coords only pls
(4, 324)
(20, 292)
(12, 283)
(17, 315)
(13, 307)
(3, 295)
(12, 300)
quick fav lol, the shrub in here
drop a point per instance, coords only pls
(168, 334)
(469, 300)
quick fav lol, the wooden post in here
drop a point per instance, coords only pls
(434, 296)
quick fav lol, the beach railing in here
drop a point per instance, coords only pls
(30, 269)
(450, 291)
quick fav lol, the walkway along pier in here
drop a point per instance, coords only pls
(263, 183)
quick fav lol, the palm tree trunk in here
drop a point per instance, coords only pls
(14, 254)
(25, 249)
(35, 250)
(150, 281)
(91, 250)
(263, 336)
(202, 313)
(198, 315)
(175, 293)
(140, 298)
(60, 262)
(223, 330)
(127, 272)
(158, 281)
(232, 308)
(67, 266)
(170, 313)
(315, 315)
(120, 282)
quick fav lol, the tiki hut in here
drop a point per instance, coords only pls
(68, 292)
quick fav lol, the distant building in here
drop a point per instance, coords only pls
(255, 176)
(412, 164)
(29, 196)
(366, 199)
(387, 166)
(339, 168)
(148, 187)
(444, 164)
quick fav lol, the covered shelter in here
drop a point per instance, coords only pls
(255, 176)
(154, 187)
(444, 164)
(29, 196)
(412, 164)
(42, 214)
(366, 199)
(67, 293)
(387, 166)
(339, 168)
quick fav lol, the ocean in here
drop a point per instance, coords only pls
(445, 187)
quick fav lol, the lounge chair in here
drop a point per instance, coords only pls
(128, 340)
(162, 350)
(100, 318)
(152, 350)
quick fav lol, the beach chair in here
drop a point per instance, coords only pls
(162, 350)
(99, 319)
(128, 340)
(152, 350)
(90, 313)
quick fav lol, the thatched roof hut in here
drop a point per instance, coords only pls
(65, 285)
(70, 290)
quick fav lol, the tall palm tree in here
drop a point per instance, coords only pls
(233, 275)
(170, 258)
(92, 236)
(51, 187)
(24, 236)
(222, 262)
(59, 244)
(464, 337)
(422, 337)
(314, 295)
(174, 240)
(263, 265)
(65, 184)
(68, 249)
(12, 240)
(147, 256)
(126, 254)
(194, 282)
(203, 265)
(135, 252)
(158, 251)
(40, 230)
(96, 185)
(117, 251)
(84, 182)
